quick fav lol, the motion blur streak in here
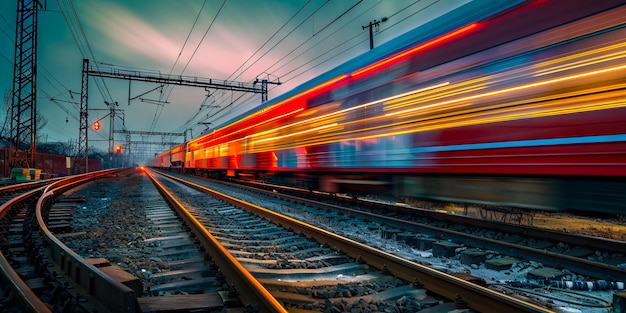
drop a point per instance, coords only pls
(507, 90)
(589, 60)
(297, 133)
(259, 124)
(526, 108)
(349, 109)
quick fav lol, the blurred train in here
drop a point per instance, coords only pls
(522, 108)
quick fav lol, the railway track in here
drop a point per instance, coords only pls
(28, 283)
(42, 274)
(468, 246)
(455, 290)
(252, 258)
(296, 270)
(165, 289)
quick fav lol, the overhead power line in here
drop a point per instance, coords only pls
(159, 110)
(203, 36)
(268, 40)
(312, 64)
(270, 70)
(322, 39)
(187, 39)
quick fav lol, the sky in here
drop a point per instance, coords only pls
(236, 40)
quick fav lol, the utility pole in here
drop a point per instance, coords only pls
(264, 83)
(111, 125)
(128, 153)
(83, 131)
(371, 26)
(113, 112)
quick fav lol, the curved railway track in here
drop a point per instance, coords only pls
(240, 254)
(29, 284)
(47, 276)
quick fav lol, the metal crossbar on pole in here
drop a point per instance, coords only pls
(157, 77)
(110, 71)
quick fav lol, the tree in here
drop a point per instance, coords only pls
(5, 131)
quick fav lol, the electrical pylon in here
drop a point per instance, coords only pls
(24, 105)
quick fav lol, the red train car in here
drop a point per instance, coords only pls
(525, 108)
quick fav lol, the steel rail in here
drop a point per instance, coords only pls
(249, 290)
(110, 293)
(576, 264)
(23, 187)
(26, 299)
(615, 246)
(477, 297)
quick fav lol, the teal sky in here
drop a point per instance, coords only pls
(243, 41)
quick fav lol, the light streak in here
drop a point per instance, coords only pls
(249, 127)
(494, 114)
(517, 88)
(585, 62)
(308, 91)
(584, 55)
(296, 133)
(351, 108)
(454, 90)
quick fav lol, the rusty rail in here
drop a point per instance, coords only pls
(25, 298)
(114, 295)
(477, 297)
(249, 290)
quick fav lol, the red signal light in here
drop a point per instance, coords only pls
(118, 149)
(96, 125)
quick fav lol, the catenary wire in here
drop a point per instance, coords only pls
(315, 34)
(284, 37)
(345, 50)
(321, 40)
(190, 120)
(188, 35)
(270, 39)
(104, 90)
(286, 79)
(158, 112)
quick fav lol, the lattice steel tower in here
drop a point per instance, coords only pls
(81, 162)
(24, 105)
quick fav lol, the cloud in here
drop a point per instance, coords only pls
(125, 36)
